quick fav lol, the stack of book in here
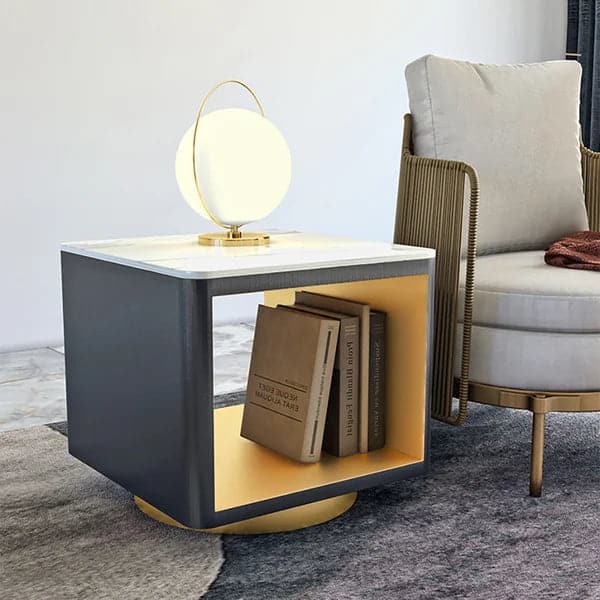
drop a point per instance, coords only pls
(316, 378)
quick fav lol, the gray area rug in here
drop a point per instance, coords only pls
(67, 532)
(469, 530)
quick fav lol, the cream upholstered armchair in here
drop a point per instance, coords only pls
(510, 330)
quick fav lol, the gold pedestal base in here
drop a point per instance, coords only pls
(283, 520)
(225, 239)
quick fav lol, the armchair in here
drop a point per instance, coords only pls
(510, 331)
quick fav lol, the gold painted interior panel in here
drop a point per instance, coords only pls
(246, 472)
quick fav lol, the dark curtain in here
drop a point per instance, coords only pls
(583, 39)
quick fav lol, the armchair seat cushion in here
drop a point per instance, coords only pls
(532, 360)
(518, 290)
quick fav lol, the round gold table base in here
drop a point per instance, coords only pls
(247, 238)
(283, 520)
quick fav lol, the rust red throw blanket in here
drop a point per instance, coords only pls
(579, 250)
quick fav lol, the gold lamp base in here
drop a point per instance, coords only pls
(233, 237)
(283, 520)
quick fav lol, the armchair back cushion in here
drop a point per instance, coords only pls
(518, 126)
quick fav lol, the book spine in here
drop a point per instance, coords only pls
(348, 392)
(319, 393)
(377, 381)
(363, 394)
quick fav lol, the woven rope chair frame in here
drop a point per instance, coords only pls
(430, 208)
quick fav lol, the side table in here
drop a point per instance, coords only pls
(138, 318)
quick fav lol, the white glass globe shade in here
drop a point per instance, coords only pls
(243, 164)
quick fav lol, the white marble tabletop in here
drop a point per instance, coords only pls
(181, 255)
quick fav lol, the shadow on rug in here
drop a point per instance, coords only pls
(468, 530)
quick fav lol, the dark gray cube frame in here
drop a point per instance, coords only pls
(139, 371)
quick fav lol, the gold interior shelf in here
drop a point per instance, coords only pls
(245, 472)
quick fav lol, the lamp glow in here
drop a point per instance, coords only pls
(238, 172)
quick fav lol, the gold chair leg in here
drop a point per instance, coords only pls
(537, 454)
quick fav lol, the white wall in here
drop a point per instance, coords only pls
(94, 95)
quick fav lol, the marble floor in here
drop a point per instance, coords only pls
(32, 382)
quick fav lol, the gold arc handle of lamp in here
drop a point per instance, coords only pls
(232, 228)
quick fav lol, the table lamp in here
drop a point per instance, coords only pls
(233, 166)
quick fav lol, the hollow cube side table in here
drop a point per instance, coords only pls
(138, 320)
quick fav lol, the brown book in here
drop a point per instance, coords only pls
(377, 381)
(362, 312)
(288, 382)
(341, 425)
